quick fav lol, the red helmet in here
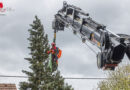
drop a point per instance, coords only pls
(53, 44)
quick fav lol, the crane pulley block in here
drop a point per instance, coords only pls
(58, 26)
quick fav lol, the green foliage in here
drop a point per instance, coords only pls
(117, 80)
(40, 76)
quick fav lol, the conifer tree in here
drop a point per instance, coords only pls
(40, 76)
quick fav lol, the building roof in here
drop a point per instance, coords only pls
(4, 86)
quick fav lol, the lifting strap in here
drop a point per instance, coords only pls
(50, 62)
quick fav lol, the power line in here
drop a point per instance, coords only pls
(63, 77)
(84, 78)
(13, 76)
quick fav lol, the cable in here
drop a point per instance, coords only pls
(13, 76)
(91, 48)
(87, 45)
(83, 78)
(63, 77)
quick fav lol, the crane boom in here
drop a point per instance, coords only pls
(112, 46)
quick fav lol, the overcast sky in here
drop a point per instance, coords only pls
(77, 59)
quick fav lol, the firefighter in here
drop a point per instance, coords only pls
(56, 53)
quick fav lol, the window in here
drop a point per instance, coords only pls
(76, 15)
(69, 11)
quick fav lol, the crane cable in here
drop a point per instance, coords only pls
(87, 45)
(54, 40)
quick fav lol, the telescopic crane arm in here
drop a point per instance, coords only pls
(112, 46)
